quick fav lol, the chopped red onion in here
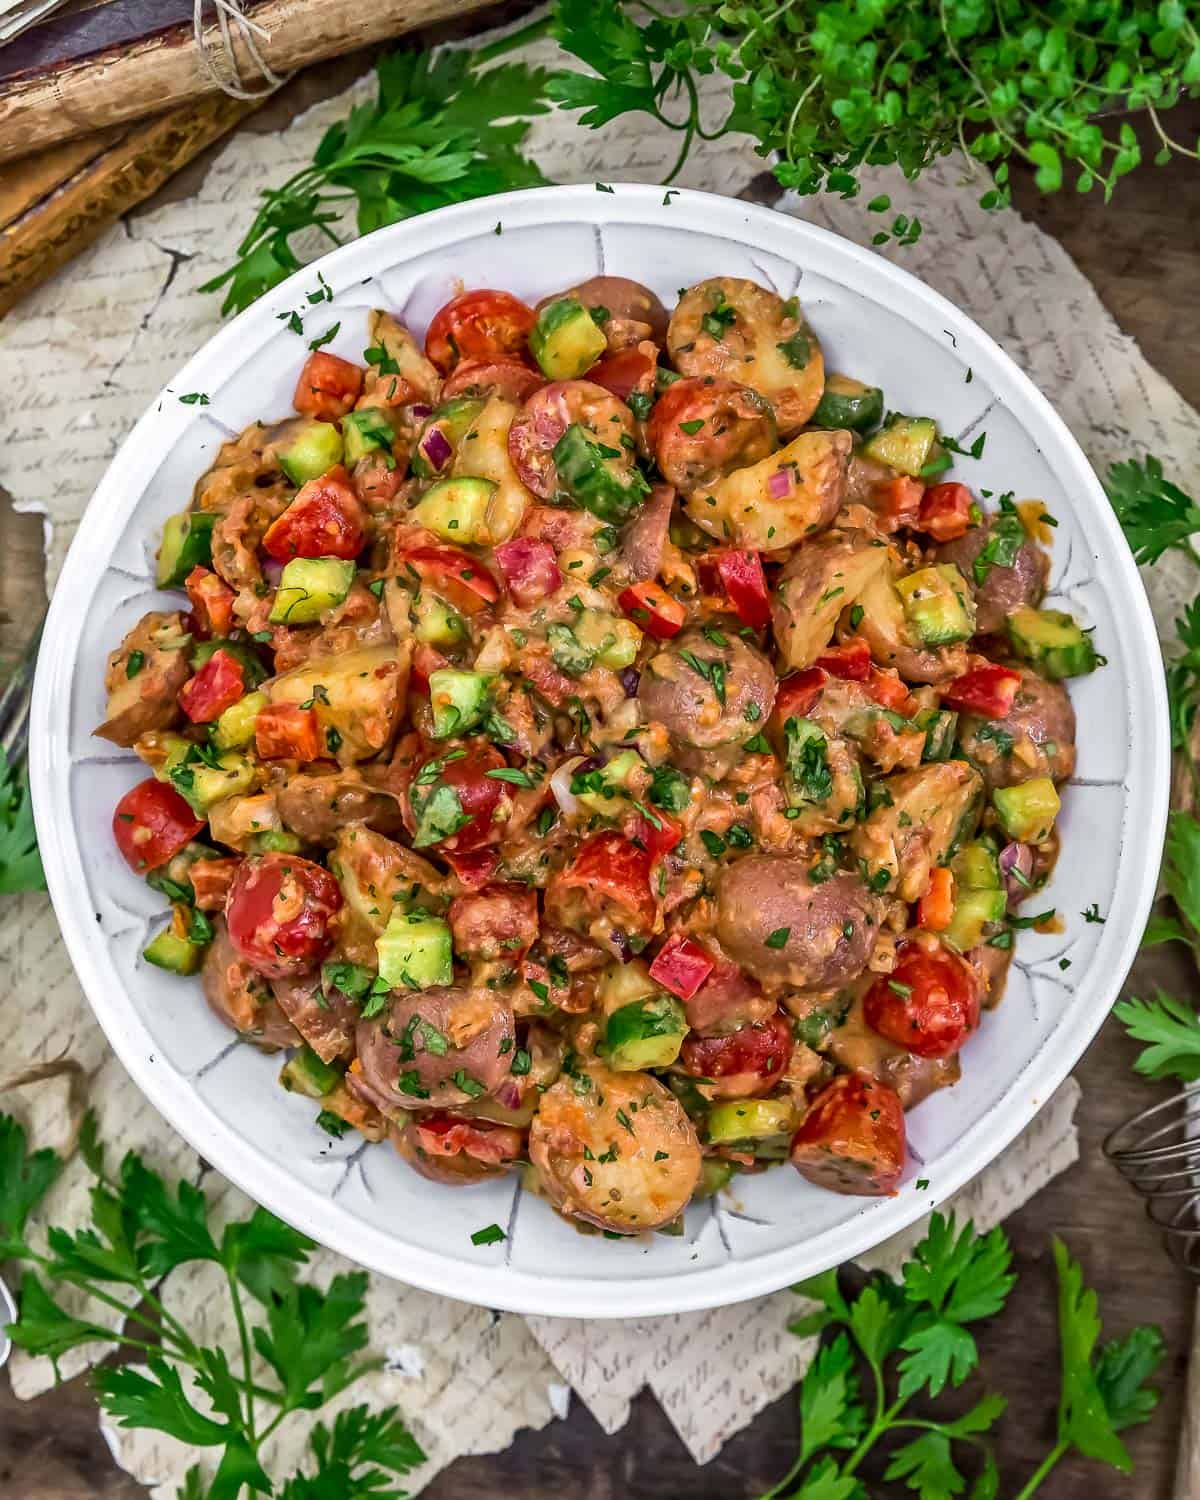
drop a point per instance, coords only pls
(1016, 868)
(272, 571)
(508, 1095)
(560, 782)
(419, 412)
(436, 449)
(631, 680)
(781, 483)
(622, 944)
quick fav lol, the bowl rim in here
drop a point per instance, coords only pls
(501, 1285)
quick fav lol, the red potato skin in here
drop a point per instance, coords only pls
(852, 1140)
(742, 1064)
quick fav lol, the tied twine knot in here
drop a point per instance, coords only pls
(219, 56)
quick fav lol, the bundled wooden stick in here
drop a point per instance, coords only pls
(40, 108)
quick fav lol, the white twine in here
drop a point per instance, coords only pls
(230, 19)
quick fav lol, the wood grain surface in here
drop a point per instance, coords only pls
(1143, 254)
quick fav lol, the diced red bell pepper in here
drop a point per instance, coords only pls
(152, 823)
(474, 867)
(529, 568)
(935, 909)
(328, 386)
(211, 880)
(212, 603)
(681, 966)
(796, 694)
(659, 836)
(453, 573)
(987, 691)
(609, 877)
(218, 684)
(324, 520)
(443, 1134)
(650, 606)
(742, 577)
(947, 511)
(285, 731)
(885, 686)
(851, 661)
(897, 502)
(426, 660)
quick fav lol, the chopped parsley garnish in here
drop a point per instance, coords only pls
(492, 1234)
(137, 660)
(778, 938)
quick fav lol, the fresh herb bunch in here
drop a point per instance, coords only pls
(914, 1337)
(1158, 517)
(829, 86)
(439, 131)
(20, 864)
(309, 1339)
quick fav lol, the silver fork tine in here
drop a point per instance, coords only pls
(15, 700)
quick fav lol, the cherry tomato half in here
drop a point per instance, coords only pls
(280, 911)
(743, 1063)
(328, 386)
(454, 574)
(324, 520)
(852, 1139)
(479, 325)
(453, 800)
(628, 371)
(609, 879)
(851, 660)
(928, 1004)
(152, 823)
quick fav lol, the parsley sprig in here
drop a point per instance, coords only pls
(310, 1340)
(20, 864)
(443, 128)
(1155, 514)
(915, 1337)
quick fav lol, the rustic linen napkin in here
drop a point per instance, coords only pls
(79, 362)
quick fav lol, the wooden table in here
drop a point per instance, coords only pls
(1142, 255)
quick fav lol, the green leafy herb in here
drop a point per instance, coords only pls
(20, 864)
(778, 938)
(492, 1234)
(441, 129)
(1155, 514)
(301, 1345)
(669, 789)
(439, 815)
(1172, 1028)
(916, 1338)
(194, 398)
(1000, 550)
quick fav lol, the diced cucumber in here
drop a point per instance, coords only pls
(974, 912)
(715, 1173)
(202, 785)
(566, 340)
(414, 951)
(976, 868)
(938, 605)
(906, 443)
(253, 671)
(611, 783)
(173, 879)
(306, 1074)
(459, 700)
(186, 544)
(646, 1034)
(437, 623)
(235, 727)
(848, 403)
(941, 727)
(1052, 641)
(367, 431)
(308, 587)
(612, 640)
(453, 421)
(1027, 812)
(275, 841)
(585, 473)
(173, 950)
(456, 509)
(749, 1120)
(313, 450)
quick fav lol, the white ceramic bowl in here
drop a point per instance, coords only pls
(874, 321)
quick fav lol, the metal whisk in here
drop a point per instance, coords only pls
(1158, 1152)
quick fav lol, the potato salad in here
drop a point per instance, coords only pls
(598, 742)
